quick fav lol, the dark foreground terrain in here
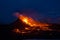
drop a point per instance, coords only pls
(7, 34)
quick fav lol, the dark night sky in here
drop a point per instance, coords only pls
(45, 8)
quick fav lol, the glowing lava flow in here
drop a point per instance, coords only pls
(33, 24)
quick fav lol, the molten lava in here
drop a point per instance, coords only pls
(33, 24)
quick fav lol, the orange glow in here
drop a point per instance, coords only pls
(23, 32)
(30, 21)
(16, 30)
(27, 28)
(33, 24)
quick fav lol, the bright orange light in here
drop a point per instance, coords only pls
(33, 24)
(25, 20)
(30, 21)
(16, 30)
(26, 28)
